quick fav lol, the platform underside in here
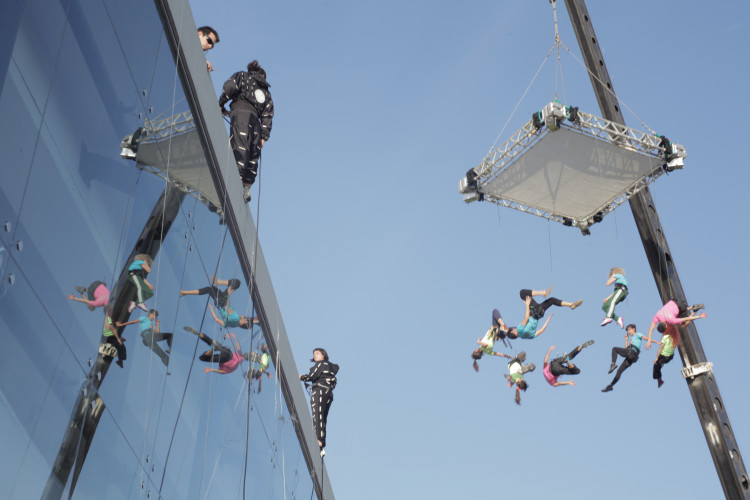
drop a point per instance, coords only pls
(571, 175)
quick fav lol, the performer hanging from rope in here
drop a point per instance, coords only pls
(631, 352)
(323, 378)
(669, 340)
(497, 320)
(228, 360)
(221, 298)
(517, 370)
(260, 362)
(137, 272)
(486, 345)
(151, 334)
(97, 293)
(113, 338)
(562, 366)
(251, 112)
(230, 318)
(534, 312)
(616, 277)
(674, 312)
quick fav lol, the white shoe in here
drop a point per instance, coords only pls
(620, 322)
(606, 321)
(322, 452)
(246, 194)
(131, 307)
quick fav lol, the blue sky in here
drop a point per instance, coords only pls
(381, 107)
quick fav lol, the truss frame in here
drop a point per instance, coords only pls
(622, 136)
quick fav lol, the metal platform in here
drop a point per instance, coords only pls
(570, 167)
(171, 149)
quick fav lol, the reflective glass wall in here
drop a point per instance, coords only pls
(104, 191)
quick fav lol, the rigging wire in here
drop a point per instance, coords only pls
(522, 97)
(253, 287)
(608, 89)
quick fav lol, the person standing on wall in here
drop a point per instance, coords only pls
(251, 111)
(323, 378)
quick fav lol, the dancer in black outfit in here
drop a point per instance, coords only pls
(221, 298)
(323, 379)
(251, 111)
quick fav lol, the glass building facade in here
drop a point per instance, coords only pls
(114, 151)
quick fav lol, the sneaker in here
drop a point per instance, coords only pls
(606, 321)
(119, 363)
(131, 307)
(587, 343)
(256, 321)
(191, 330)
(80, 289)
(659, 383)
(246, 195)
(196, 332)
(576, 304)
(620, 322)
(612, 368)
(608, 388)
(143, 307)
(322, 452)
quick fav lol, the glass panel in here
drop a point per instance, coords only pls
(27, 63)
(116, 472)
(166, 422)
(39, 383)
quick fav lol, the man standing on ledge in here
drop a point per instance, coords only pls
(251, 112)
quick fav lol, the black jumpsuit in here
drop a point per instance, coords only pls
(323, 378)
(251, 112)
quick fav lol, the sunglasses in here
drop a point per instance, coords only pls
(209, 41)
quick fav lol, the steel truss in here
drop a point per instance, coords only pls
(155, 131)
(624, 137)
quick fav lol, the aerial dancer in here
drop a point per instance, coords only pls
(259, 364)
(486, 345)
(674, 312)
(562, 366)
(528, 328)
(113, 338)
(669, 340)
(221, 297)
(617, 278)
(323, 378)
(251, 113)
(516, 371)
(631, 352)
(497, 320)
(230, 318)
(151, 334)
(139, 268)
(97, 293)
(228, 360)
